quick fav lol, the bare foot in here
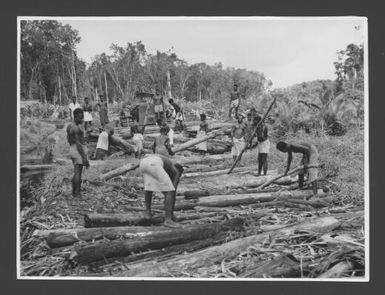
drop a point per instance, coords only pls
(172, 224)
(147, 215)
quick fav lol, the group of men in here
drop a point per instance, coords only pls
(160, 174)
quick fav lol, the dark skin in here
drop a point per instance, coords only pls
(174, 172)
(167, 144)
(235, 90)
(237, 131)
(299, 148)
(75, 135)
(158, 100)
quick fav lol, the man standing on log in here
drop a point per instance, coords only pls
(309, 157)
(78, 150)
(161, 175)
(237, 137)
(234, 101)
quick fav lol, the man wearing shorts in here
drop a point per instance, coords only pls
(78, 150)
(238, 138)
(161, 175)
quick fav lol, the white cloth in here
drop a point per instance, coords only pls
(138, 140)
(158, 108)
(155, 178)
(74, 106)
(234, 103)
(238, 145)
(87, 117)
(203, 145)
(171, 136)
(263, 147)
(102, 141)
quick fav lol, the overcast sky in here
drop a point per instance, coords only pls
(287, 51)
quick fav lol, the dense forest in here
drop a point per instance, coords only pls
(51, 72)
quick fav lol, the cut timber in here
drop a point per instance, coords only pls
(66, 237)
(120, 219)
(117, 141)
(219, 172)
(26, 168)
(216, 254)
(195, 141)
(119, 171)
(188, 195)
(283, 265)
(156, 240)
(236, 200)
(338, 270)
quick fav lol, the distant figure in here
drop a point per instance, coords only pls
(138, 140)
(103, 111)
(78, 150)
(178, 115)
(234, 101)
(161, 175)
(309, 157)
(238, 138)
(263, 146)
(87, 109)
(162, 144)
(103, 143)
(203, 128)
(73, 106)
(158, 106)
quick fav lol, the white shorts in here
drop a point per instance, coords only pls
(234, 103)
(238, 145)
(263, 147)
(155, 177)
(158, 108)
(87, 117)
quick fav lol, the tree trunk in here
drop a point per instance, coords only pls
(218, 172)
(237, 200)
(116, 172)
(169, 84)
(155, 240)
(117, 141)
(121, 219)
(105, 83)
(195, 141)
(216, 254)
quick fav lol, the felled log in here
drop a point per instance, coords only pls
(218, 172)
(66, 237)
(156, 240)
(236, 200)
(121, 219)
(117, 141)
(26, 168)
(283, 265)
(195, 141)
(338, 270)
(116, 172)
(216, 254)
(188, 195)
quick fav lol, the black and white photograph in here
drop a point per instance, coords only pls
(193, 148)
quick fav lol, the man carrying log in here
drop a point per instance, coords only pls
(309, 157)
(237, 137)
(161, 175)
(78, 150)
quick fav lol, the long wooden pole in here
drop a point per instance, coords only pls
(252, 136)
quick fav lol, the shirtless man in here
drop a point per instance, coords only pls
(234, 101)
(309, 157)
(87, 109)
(158, 105)
(263, 146)
(161, 175)
(238, 138)
(162, 144)
(78, 150)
